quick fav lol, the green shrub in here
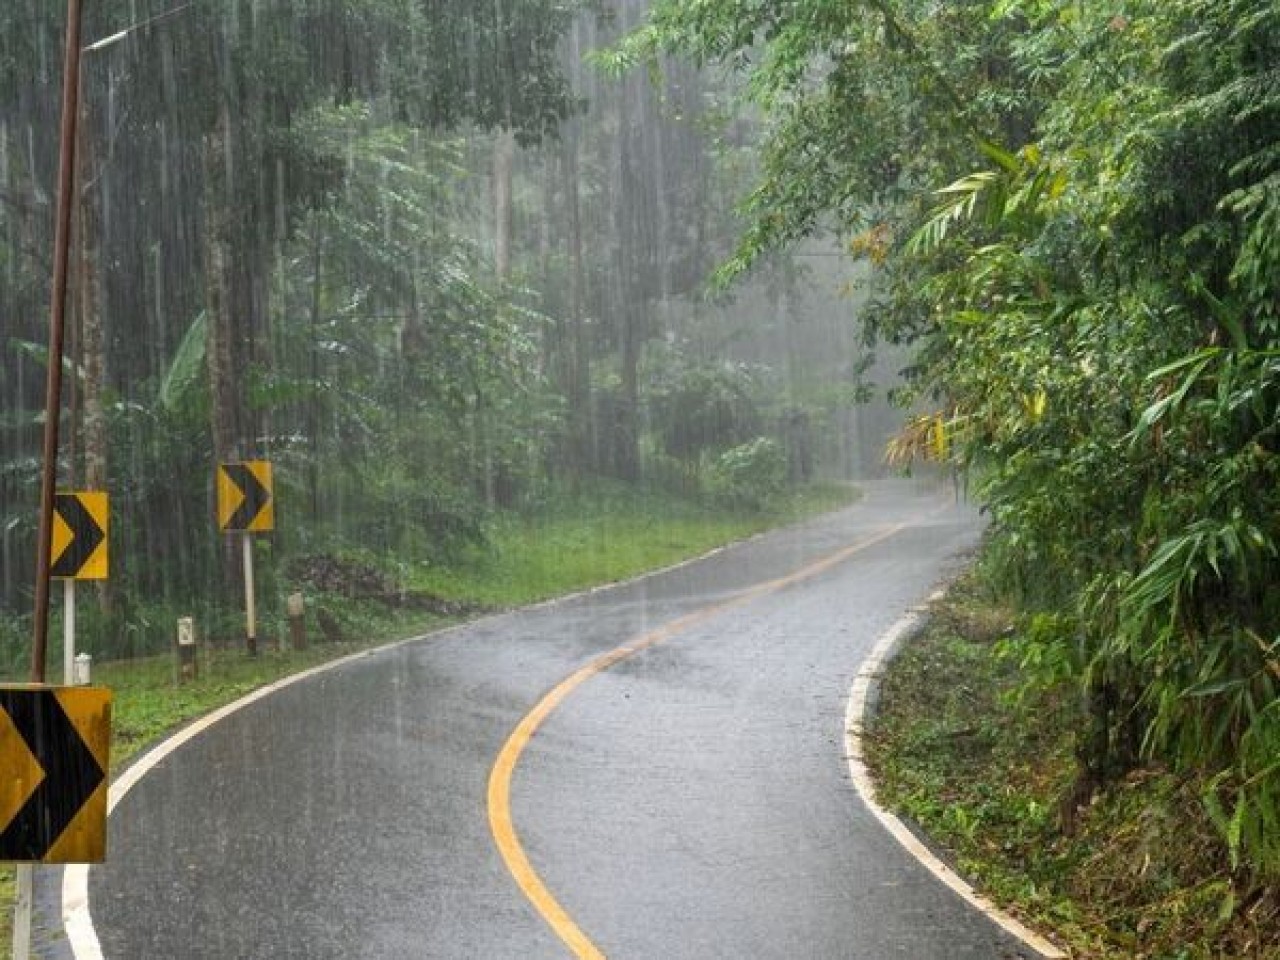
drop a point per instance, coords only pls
(749, 476)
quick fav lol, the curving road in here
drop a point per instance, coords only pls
(690, 799)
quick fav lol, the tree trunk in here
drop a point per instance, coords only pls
(217, 279)
(578, 383)
(631, 308)
(92, 342)
(504, 155)
(313, 402)
(627, 450)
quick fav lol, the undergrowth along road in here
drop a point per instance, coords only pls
(985, 766)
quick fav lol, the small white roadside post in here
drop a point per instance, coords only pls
(295, 608)
(84, 670)
(187, 669)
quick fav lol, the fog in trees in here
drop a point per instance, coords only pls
(427, 259)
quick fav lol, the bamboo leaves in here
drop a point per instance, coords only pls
(184, 373)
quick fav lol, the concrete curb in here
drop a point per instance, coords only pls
(858, 713)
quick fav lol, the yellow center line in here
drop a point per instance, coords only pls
(499, 798)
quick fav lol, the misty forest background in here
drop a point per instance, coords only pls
(424, 258)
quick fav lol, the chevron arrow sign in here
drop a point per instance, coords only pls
(54, 743)
(80, 536)
(245, 500)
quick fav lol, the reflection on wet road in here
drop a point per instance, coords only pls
(688, 800)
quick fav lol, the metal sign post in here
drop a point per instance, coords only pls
(53, 406)
(250, 606)
(246, 503)
(78, 549)
(53, 391)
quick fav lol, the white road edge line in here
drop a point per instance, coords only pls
(77, 922)
(857, 715)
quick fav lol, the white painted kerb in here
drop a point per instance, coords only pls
(857, 713)
(76, 919)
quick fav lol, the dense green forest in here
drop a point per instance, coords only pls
(422, 257)
(1073, 208)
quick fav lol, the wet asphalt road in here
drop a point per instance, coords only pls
(692, 801)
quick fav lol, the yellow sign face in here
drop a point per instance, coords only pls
(80, 525)
(245, 500)
(54, 744)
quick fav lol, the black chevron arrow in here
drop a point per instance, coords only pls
(71, 774)
(256, 496)
(86, 536)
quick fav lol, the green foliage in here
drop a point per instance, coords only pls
(183, 379)
(404, 367)
(1143, 870)
(696, 408)
(15, 636)
(749, 476)
(607, 532)
(864, 100)
(1151, 489)
(495, 65)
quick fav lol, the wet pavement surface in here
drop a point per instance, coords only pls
(691, 801)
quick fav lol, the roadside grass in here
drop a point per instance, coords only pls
(982, 770)
(601, 537)
(8, 896)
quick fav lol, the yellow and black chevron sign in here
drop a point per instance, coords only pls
(79, 548)
(54, 743)
(245, 500)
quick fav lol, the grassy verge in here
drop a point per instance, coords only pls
(599, 539)
(1139, 873)
(8, 894)
(602, 538)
